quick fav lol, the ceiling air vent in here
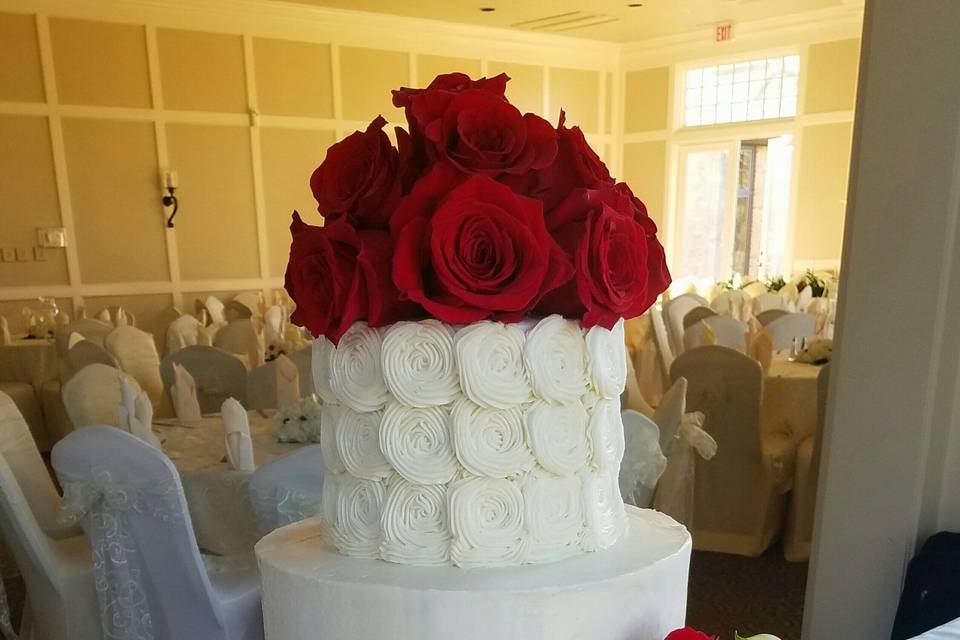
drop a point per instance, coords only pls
(565, 21)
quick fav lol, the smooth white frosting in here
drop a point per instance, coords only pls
(358, 444)
(356, 374)
(558, 436)
(553, 516)
(357, 531)
(486, 522)
(606, 360)
(490, 358)
(419, 365)
(417, 443)
(603, 511)
(490, 442)
(320, 365)
(415, 524)
(606, 437)
(556, 358)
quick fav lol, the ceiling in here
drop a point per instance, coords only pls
(608, 20)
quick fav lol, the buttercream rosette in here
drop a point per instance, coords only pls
(329, 417)
(356, 372)
(322, 349)
(558, 436)
(417, 443)
(607, 359)
(490, 442)
(358, 444)
(486, 522)
(553, 515)
(555, 358)
(604, 515)
(415, 524)
(328, 495)
(490, 359)
(359, 508)
(606, 437)
(419, 365)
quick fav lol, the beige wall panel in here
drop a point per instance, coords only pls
(100, 63)
(147, 310)
(293, 78)
(112, 167)
(216, 227)
(429, 67)
(289, 157)
(644, 169)
(21, 78)
(29, 200)
(202, 71)
(576, 92)
(367, 76)
(646, 92)
(525, 89)
(822, 191)
(10, 309)
(831, 74)
(609, 105)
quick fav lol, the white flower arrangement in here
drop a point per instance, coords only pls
(818, 351)
(299, 422)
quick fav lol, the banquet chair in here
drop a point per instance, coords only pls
(768, 316)
(674, 310)
(90, 328)
(739, 496)
(643, 462)
(92, 395)
(241, 337)
(218, 374)
(80, 355)
(728, 331)
(288, 489)
(124, 491)
(799, 530)
(273, 385)
(731, 303)
(784, 329)
(697, 314)
(54, 559)
(215, 310)
(251, 300)
(182, 332)
(674, 493)
(235, 310)
(120, 317)
(767, 301)
(136, 353)
(303, 359)
(755, 289)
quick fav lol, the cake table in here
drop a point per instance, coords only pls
(636, 590)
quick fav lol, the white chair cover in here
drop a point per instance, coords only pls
(81, 353)
(784, 329)
(183, 394)
(5, 337)
(182, 332)
(93, 330)
(674, 310)
(766, 301)
(303, 359)
(669, 413)
(632, 397)
(242, 338)
(739, 496)
(695, 315)
(643, 462)
(252, 301)
(273, 385)
(53, 558)
(726, 331)
(236, 436)
(234, 310)
(215, 309)
(218, 375)
(662, 339)
(104, 316)
(153, 582)
(804, 298)
(768, 316)
(732, 303)
(135, 414)
(288, 490)
(755, 289)
(136, 353)
(93, 394)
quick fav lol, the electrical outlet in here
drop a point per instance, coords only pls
(8, 254)
(39, 254)
(23, 254)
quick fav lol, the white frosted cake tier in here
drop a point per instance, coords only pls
(636, 590)
(483, 445)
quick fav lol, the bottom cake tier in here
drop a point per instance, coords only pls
(636, 590)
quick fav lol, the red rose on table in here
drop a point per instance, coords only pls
(359, 179)
(619, 264)
(688, 633)
(468, 248)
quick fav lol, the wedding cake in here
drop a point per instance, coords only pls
(468, 292)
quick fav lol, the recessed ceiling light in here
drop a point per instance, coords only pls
(488, 9)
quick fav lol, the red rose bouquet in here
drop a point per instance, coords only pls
(479, 212)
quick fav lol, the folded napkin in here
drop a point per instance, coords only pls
(273, 327)
(121, 319)
(236, 432)
(288, 382)
(707, 336)
(74, 339)
(135, 414)
(104, 316)
(760, 348)
(183, 394)
(5, 331)
(216, 309)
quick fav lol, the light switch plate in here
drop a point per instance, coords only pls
(23, 254)
(51, 237)
(8, 254)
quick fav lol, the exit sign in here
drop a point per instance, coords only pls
(724, 32)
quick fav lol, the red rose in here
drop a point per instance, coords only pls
(359, 178)
(576, 165)
(620, 266)
(688, 633)
(469, 249)
(338, 275)
(452, 83)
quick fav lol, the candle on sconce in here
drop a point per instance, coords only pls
(173, 179)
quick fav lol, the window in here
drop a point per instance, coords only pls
(738, 92)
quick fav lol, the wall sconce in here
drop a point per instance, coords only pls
(169, 180)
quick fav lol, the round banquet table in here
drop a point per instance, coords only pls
(33, 361)
(637, 589)
(217, 495)
(790, 399)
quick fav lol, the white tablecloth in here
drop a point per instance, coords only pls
(949, 631)
(30, 361)
(790, 399)
(218, 496)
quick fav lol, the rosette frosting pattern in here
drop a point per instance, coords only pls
(485, 445)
